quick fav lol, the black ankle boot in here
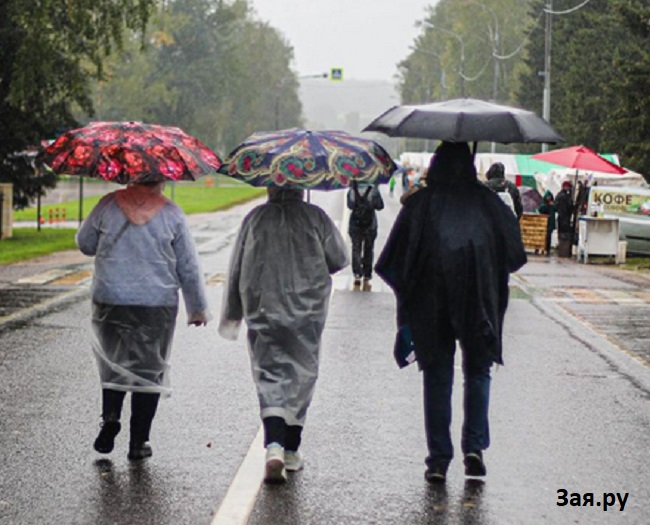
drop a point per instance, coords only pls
(106, 439)
(111, 409)
(138, 451)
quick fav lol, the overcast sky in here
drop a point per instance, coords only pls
(367, 38)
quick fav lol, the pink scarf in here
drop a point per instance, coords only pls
(141, 202)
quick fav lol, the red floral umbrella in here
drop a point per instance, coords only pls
(579, 158)
(130, 152)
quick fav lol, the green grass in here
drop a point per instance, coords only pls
(202, 199)
(27, 243)
(637, 264)
(190, 197)
(197, 197)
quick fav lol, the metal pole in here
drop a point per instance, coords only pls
(462, 68)
(494, 36)
(546, 111)
(81, 200)
(495, 80)
(462, 53)
(38, 212)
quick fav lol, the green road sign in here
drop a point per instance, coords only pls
(336, 73)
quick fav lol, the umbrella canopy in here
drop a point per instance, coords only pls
(465, 120)
(297, 158)
(130, 152)
(580, 158)
(531, 199)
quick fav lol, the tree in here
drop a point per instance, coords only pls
(211, 68)
(628, 128)
(600, 69)
(48, 54)
(466, 48)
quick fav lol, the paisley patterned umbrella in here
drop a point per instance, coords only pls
(324, 160)
(130, 152)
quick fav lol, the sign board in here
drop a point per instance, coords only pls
(621, 201)
(336, 73)
(631, 205)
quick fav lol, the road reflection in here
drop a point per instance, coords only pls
(132, 495)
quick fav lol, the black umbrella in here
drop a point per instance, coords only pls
(465, 120)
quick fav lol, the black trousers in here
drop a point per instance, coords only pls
(277, 431)
(363, 244)
(143, 410)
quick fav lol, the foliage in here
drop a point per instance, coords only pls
(466, 48)
(600, 72)
(27, 243)
(600, 67)
(48, 54)
(628, 127)
(210, 68)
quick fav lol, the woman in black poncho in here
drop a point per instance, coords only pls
(448, 260)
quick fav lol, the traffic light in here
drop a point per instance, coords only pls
(336, 73)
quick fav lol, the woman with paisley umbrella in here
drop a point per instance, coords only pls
(279, 277)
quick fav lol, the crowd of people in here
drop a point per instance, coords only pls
(447, 259)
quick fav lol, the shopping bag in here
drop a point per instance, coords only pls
(404, 350)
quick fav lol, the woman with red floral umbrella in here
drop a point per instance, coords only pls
(144, 254)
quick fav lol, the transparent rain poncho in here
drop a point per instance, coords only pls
(139, 270)
(279, 282)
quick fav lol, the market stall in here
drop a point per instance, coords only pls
(533, 231)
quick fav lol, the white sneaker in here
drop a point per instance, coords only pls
(293, 460)
(275, 471)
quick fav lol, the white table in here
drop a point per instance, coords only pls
(597, 236)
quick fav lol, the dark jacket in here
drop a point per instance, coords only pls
(564, 203)
(376, 202)
(448, 260)
(502, 184)
(548, 208)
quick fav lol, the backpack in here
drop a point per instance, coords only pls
(500, 186)
(363, 213)
(507, 200)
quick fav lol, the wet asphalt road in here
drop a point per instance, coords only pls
(569, 411)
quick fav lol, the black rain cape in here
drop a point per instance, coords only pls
(448, 260)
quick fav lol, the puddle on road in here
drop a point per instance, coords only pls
(17, 298)
(72, 278)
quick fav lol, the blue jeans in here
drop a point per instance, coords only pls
(438, 383)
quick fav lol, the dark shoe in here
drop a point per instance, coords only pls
(140, 451)
(437, 473)
(474, 465)
(106, 439)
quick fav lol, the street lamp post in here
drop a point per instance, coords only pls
(546, 106)
(495, 53)
(494, 36)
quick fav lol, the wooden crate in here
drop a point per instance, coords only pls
(533, 231)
